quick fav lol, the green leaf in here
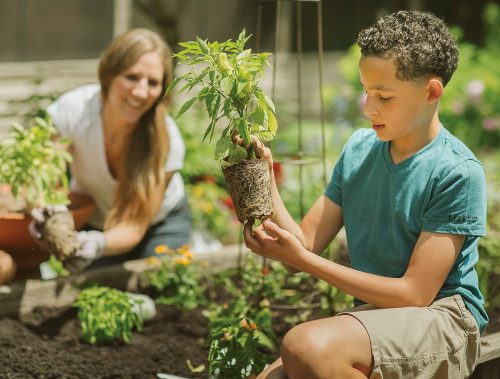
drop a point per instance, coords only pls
(172, 84)
(222, 147)
(243, 130)
(237, 154)
(269, 103)
(203, 45)
(197, 369)
(186, 106)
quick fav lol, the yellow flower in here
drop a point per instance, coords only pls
(152, 261)
(197, 191)
(182, 261)
(187, 254)
(208, 208)
(161, 249)
(181, 250)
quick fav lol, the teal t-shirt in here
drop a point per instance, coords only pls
(386, 206)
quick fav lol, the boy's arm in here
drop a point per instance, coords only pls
(432, 258)
(321, 223)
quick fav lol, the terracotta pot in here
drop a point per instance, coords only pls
(16, 240)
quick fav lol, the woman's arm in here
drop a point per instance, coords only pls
(432, 258)
(124, 236)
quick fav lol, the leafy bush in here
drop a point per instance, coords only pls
(34, 163)
(175, 280)
(107, 314)
(229, 87)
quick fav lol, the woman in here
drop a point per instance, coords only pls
(126, 153)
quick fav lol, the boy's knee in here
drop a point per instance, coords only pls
(303, 350)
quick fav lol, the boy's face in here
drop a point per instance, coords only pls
(399, 110)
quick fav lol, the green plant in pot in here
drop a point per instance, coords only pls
(33, 165)
(227, 76)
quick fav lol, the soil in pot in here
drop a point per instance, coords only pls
(249, 184)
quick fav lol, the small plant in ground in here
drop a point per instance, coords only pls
(236, 349)
(228, 76)
(107, 314)
(176, 280)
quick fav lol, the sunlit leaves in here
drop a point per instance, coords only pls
(34, 163)
(228, 76)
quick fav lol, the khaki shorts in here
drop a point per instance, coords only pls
(439, 341)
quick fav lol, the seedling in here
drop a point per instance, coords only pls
(107, 315)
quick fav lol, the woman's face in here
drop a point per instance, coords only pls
(136, 89)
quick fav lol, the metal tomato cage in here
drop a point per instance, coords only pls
(298, 158)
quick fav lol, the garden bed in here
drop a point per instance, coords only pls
(54, 349)
(41, 335)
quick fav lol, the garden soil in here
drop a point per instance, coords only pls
(54, 348)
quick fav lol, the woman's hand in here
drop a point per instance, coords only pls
(270, 241)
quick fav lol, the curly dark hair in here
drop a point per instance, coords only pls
(419, 42)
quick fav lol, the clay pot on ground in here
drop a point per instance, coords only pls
(18, 243)
(7, 267)
(249, 184)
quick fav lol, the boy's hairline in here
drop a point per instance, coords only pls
(399, 75)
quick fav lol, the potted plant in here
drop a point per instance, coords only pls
(33, 173)
(228, 76)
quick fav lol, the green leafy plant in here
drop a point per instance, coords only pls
(176, 280)
(228, 79)
(34, 164)
(107, 314)
(235, 349)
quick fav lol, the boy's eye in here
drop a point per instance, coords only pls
(384, 98)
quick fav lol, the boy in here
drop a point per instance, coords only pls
(412, 198)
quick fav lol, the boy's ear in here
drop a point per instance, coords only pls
(434, 90)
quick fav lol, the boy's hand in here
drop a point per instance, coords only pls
(261, 151)
(270, 241)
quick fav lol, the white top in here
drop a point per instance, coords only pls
(77, 115)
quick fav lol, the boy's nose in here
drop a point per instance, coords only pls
(369, 109)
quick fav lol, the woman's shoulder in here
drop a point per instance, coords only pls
(75, 107)
(77, 100)
(81, 94)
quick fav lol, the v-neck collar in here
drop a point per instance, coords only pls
(396, 167)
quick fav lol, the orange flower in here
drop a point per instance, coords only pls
(161, 249)
(183, 249)
(252, 326)
(265, 270)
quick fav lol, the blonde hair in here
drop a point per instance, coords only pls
(143, 164)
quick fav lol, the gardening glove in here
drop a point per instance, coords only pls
(92, 247)
(39, 217)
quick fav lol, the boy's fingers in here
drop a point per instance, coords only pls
(273, 228)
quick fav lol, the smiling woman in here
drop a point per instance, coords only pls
(126, 153)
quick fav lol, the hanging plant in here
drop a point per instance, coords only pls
(227, 76)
